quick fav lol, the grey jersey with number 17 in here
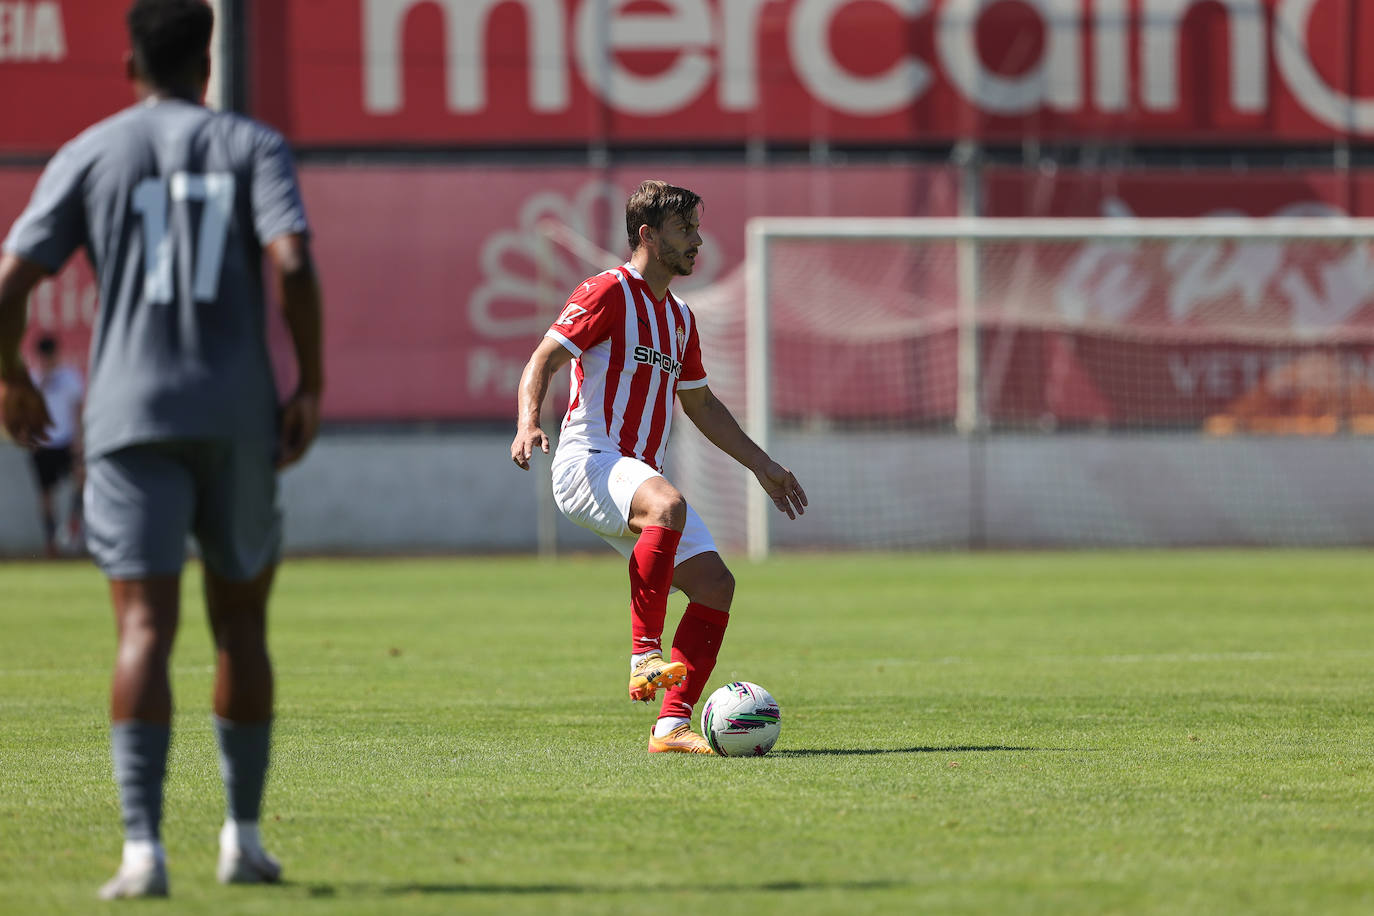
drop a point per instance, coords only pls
(174, 203)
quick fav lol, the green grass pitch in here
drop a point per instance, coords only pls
(1152, 732)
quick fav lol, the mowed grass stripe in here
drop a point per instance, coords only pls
(1152, 732)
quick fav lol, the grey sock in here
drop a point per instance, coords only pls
(243, 753)
(139, 750)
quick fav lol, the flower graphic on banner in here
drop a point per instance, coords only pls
(558, 242)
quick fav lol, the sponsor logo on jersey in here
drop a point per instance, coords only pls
(571, 314)
(652, 357)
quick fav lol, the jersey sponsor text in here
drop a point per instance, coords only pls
(663, 361)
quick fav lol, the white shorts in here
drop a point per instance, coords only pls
(595, 489)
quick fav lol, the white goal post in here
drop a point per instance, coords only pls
(990, 336)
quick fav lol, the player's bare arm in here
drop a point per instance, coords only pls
(719, 426)
(302, 308)
(548, 358)
(25, 415)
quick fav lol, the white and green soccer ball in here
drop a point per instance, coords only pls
(741, 720)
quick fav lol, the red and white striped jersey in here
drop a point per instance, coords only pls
(633, 353)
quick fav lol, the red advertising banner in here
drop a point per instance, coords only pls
(1270, 338)
(439, 282)
(61, 70)
(534, 72)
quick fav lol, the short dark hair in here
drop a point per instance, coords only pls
(653, 203)
(169, 37)
(47, 345)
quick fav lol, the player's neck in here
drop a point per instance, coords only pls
(165, 95)
(655, 275)
(151, 94)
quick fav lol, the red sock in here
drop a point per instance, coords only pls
(651, 576)
(695, 644)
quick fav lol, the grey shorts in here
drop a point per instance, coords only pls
(143, 500)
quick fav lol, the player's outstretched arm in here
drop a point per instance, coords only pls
(302, 306)
(719, 426)
(548, 358)
(25, 415)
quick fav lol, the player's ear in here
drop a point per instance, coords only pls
(646, 235)
(130, 67)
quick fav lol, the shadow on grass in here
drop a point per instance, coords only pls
(868, 751)
(335, 890)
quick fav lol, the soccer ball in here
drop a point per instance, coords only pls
(741, 720)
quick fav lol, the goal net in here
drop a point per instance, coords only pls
(1044, 383)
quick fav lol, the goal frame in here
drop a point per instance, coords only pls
(967, 232)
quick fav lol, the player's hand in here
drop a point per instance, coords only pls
(782, 487)
(26, 416)
(300, 422)
(526, 441)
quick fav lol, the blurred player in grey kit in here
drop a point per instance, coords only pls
(175, 205)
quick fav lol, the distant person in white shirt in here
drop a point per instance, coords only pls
(58, 457)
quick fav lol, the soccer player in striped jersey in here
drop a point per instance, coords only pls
(634, 350)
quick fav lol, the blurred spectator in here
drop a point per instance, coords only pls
(1315, 394)
(58, 457)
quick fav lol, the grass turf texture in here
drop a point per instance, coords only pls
(1183, 732)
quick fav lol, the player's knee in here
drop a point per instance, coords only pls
(716, 590)
(667, 509)
(241, 643)
(240, 634)
(725, 587)
(677, 511)
(142, 645)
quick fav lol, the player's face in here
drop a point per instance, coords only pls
(678, 242)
